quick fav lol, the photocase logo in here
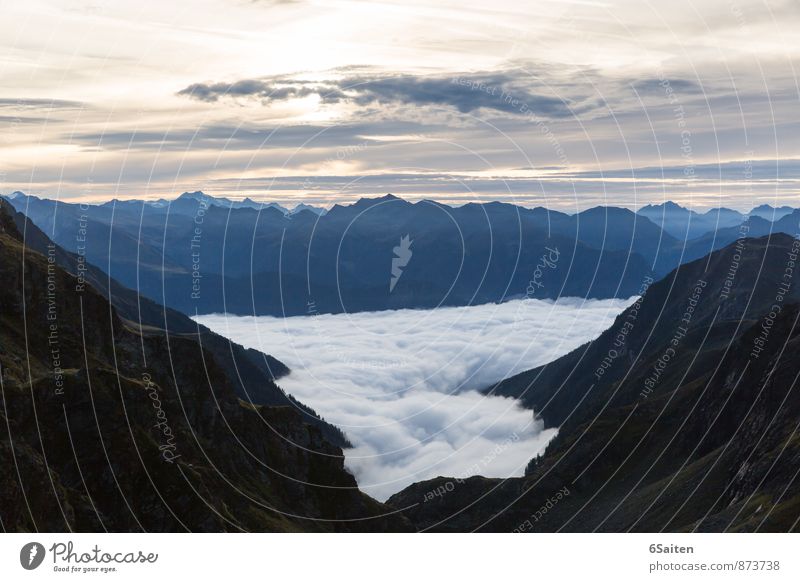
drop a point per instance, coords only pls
(402, 254)
(31, 555)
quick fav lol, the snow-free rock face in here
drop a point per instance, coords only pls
(124, 427)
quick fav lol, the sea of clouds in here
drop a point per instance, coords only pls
(403, 384)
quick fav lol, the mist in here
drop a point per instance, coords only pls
(403, 385)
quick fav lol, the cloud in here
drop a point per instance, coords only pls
(402, 384)
(729, 65)
(657, 86)
(17, 120)
(223, 136)
(467, 93)
(23, 103)
(743, 170)
(259, 89)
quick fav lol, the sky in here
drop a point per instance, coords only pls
(561, 104)
(404, 388)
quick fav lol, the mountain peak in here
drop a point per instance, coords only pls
(301, 207)
(669, 205)
(384, 198)
(196, 195)
(722, 211)
(366, 202)
(19, 196)
(769, 212)
(7, 223)
(613, 210)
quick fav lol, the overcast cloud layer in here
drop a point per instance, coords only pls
(566, 104)
(402, 384)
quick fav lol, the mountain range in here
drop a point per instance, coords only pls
(198, 256)
(686, 224)
(207, 199)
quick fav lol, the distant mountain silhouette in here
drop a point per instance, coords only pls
(685, 224)
(199, 257)
(199, 254)
(771, 213)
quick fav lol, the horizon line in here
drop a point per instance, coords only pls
(291, 205)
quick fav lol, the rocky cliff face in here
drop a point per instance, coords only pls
(688, 421)
(112, 425)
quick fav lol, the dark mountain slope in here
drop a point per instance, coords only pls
(684, 429)
(252, 373)
(645, 329)
(111, 426)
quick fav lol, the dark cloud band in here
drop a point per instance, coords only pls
(466, 93)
